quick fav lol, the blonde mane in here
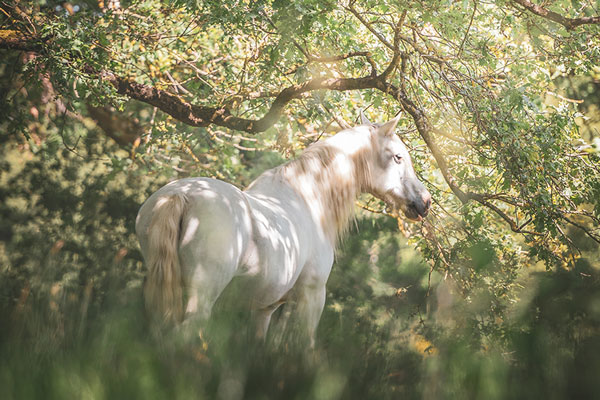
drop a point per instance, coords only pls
(329, 176)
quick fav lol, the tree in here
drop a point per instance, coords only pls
(473, 79)
(491, 94)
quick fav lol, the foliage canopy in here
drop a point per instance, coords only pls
(101, 102)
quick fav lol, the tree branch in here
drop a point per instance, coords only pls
(339, 57)
(16, 40)
(369, 26)
(123, 130)
(569, 23)
(196, 115)
(462, 44)
(336, 58)
(397, 54)
(424, 128)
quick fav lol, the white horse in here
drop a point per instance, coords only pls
(276, 238)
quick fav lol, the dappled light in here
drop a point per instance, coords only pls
(290, 248)
(276, 239)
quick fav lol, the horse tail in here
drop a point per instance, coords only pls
(163, 289)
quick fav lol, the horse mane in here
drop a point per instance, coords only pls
(329, 175)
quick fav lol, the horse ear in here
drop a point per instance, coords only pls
(388, 128)
(363, 119)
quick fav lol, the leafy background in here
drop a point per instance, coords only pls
(461, 306)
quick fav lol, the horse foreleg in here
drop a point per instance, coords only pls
(262, 319)
(310, 303)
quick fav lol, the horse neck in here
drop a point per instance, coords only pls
(329, 177)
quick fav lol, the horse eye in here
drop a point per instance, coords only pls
(397, 158)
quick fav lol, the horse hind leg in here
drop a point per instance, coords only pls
(206, 280)
(212, 242)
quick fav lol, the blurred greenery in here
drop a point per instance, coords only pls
(73, 324)
(462, 306)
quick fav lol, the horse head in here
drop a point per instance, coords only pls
(393, 177)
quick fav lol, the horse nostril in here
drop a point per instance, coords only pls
(423, 207)
(426, 200)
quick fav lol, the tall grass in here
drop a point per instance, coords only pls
(53, 348)
(93, 341)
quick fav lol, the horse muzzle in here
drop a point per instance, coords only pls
(418, 209)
